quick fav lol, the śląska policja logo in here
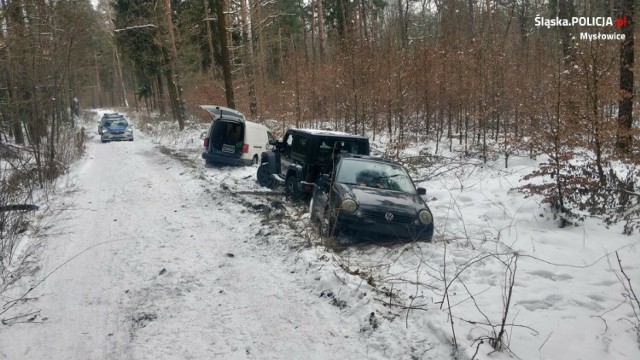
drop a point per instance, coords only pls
(584, 21)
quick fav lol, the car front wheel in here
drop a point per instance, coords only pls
(312, 212)
(291, 190)
(264, 177)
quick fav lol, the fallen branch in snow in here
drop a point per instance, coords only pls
(390, 304)
(601, 316)
(545, 341)
(497, 325)
(415, 295)
(19, 207)
(24, 300)
(606, 255)
(338, 277)
(498, 343)
(629, 294)
(475, 260)
(477, 349)
(446, 296)
(255, 192)
(11, 321)
(52, 272)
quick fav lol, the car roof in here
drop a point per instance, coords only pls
(327, 133)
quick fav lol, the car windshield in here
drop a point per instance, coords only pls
(116, 122)
(374, 174)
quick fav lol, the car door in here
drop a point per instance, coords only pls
(320, 197)
(285, 153)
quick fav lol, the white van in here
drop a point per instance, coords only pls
(231, 140)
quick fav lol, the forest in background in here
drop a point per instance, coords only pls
(475, 76)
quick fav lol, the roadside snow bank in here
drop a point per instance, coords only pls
(493, 247)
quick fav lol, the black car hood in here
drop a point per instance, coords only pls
(371, 197)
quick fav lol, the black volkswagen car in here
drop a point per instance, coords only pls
(363, 194)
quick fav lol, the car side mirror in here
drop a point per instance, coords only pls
(279, 146)
(324, 182)
(422, 191)
(273, 142)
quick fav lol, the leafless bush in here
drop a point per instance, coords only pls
(630, 295)
(12, 225)
(145, 121)
(27, 172)
(577, 191)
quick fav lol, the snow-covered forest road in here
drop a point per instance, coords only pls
(143, 252)
(166, 269)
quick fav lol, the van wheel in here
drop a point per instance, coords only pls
(254, 161)
(291, 190)
(264, 177)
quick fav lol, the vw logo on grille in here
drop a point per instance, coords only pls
(388, 216)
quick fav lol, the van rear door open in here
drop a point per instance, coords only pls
(219, 112)
(225, 142)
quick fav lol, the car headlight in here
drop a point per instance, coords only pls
(128, 130)
(349, 206)
(105, 131)
(425, 217)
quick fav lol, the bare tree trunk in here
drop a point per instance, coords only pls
(226, 59)
(565, 11)
(114, 77)
(98, 86)
(313, 30)
(207, 21)
(248, 44)
(297, 89)
(176, 99)
(303, 18)
(162, 99)
(135, 87)
(261, 41)
(321, 40)
(403, 9)
(125, 102)
(363, 17)
(625, 106)
(16, 29)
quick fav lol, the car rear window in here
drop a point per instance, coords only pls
(328, 147)
(116, 122)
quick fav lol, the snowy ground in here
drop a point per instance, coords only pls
(186, 261)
